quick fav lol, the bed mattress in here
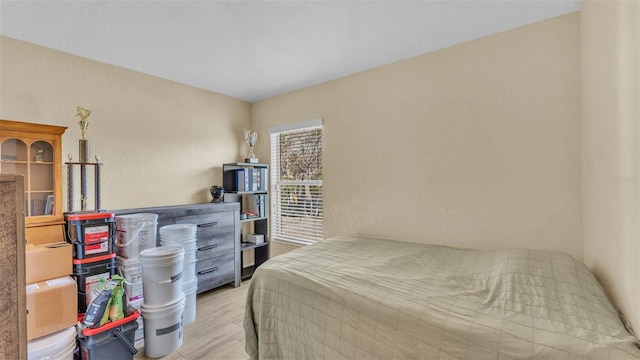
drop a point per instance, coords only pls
(363, 298)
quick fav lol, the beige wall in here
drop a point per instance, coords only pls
(162, 143)
(476, 145)
(611, 154)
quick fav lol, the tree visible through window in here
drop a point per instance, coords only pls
(296, 170)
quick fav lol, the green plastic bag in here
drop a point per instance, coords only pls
(116, 311)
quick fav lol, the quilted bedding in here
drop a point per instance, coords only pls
(362, 298)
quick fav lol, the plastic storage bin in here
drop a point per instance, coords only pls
(92, 234)
(135, 233)
(87, 273)
(114, 340)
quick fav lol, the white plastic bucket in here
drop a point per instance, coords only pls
(185, 236)
(139, 334)
(134, 290)
(59, 345)
(137, 304)
(189, 269)
(129, 269)
(162, 274)
(135, 233)
(189, 290)
(163, 327)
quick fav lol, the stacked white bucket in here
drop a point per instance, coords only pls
(184, 235)
(163, 304)
(59, 345)
(135, 233)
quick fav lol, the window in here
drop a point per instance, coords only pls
(296, 182)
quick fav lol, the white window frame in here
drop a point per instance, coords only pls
(276, 183)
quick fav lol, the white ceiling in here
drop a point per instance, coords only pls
(252, 50)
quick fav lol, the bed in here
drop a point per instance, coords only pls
(363, 298)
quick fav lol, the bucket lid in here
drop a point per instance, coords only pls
(90, 216)
(50, 345)
(164, 310)
(172, 236)
(161, 253)
(128, 262)
(185, 244)
(179, 229)
(190, 286)
(137, 217)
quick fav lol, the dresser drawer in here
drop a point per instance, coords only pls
(210, 224)
(219, 270)
(215, 245)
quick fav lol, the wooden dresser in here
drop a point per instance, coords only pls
(218, 238)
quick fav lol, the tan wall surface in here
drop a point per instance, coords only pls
(477, 145)
(162, 143)
(611, 152)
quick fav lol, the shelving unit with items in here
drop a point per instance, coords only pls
(248, 184)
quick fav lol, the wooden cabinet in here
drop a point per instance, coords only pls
(35, 152)
(217, 238)
(253, 196)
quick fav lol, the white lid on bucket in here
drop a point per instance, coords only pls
(162, 256)
(48, 346)
(164, 310)
(190, 286)
(161, 253)
(178, 229)
(178, 238)
(137, 217)
(127, 262)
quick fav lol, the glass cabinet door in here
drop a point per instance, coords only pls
(34, 161)
(41, 178)
(13, 157)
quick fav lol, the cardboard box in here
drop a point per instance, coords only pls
(45, 234)
(52, 305)
(255, 238)
(48, 261)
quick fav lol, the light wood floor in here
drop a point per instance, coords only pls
(217, 332)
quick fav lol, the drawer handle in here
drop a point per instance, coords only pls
(208, 247)
(208, 271)
(208, 224)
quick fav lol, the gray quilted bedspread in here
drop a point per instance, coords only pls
(361, 298)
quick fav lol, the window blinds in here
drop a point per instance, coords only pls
(296, 182)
